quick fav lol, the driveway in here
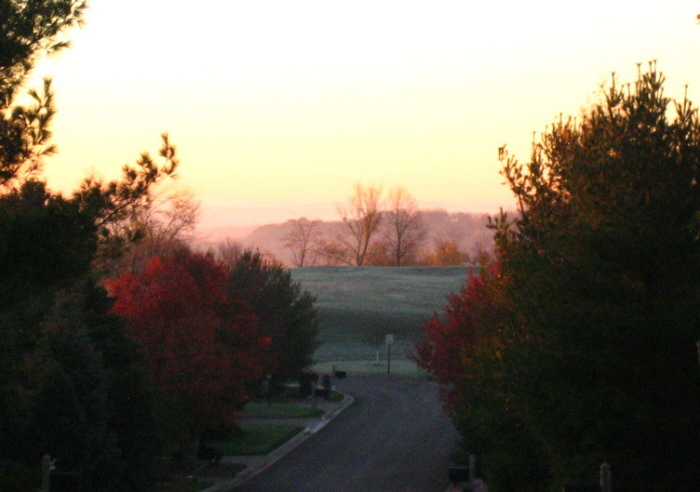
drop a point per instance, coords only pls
(394, 438)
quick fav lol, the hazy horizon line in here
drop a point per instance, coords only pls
(247, 215)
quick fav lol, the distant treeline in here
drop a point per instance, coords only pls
(448, 238)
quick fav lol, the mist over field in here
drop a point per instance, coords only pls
(359, 306)
(468, 231)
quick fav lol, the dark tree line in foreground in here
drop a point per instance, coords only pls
(106, 383)
(577, 344)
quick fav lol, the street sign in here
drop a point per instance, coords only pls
(389, 339)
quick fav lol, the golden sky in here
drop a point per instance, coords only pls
(278, 107)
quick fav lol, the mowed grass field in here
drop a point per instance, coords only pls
(359, 306)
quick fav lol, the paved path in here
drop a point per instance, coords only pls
(394, 437)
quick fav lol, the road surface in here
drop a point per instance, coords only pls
(394, 438)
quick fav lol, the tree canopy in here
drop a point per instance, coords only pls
(360, 218)
(202, 345)
(29, 29)
(285, 311)
(70, 382)
(598, 274)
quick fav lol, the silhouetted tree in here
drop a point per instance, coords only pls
(303, 241)
(599, 270)
(361, 218)
(286, 313)
(55, 371)
(403, 228)
(58, 425)
(228, 251)
(166, 222)
(117, 205)
(28, 30)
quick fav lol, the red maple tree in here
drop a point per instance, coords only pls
(455, 336)
(201, 346)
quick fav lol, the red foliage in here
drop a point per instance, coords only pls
(452, 336)
(201, 347)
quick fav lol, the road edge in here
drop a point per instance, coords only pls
(283, 450)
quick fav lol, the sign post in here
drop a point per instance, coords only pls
(389, 343)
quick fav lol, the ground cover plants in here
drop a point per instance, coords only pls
(256, 439)
(248, 439)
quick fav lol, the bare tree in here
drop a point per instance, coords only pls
(404, 230)
(173, 217)
(166, 222)
(228, 251)
(360, 221)
(302, 241)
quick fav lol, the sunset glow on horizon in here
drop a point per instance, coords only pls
(278, 108)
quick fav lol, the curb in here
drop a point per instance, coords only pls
(473, 486)
(279, 453)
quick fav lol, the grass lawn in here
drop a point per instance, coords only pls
(280, 410)
(257, 439)
(359, 306)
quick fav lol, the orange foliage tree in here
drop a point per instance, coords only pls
(463, 332)
(464, 352)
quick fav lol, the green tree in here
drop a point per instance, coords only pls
(131, 418)
(285, 312)
(601, 269)
(83, 398)
(45, 242)
(28, 30)
(55, 371)
(58, 423)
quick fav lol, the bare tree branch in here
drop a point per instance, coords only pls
(361, 218)
(302, 241)
(404, 230)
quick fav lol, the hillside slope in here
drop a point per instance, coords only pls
(359, 306)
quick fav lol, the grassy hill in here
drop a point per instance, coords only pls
(359, 306)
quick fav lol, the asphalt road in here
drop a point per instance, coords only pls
(394, 438)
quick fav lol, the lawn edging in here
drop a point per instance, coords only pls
(285, 448)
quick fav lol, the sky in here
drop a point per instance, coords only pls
(278, 108)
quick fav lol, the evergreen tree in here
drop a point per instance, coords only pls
(58, 423)
(57, 367)
(28, 30)
(285, 312)
(578, 346)
(601, 269)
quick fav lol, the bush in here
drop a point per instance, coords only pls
(15, 477)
